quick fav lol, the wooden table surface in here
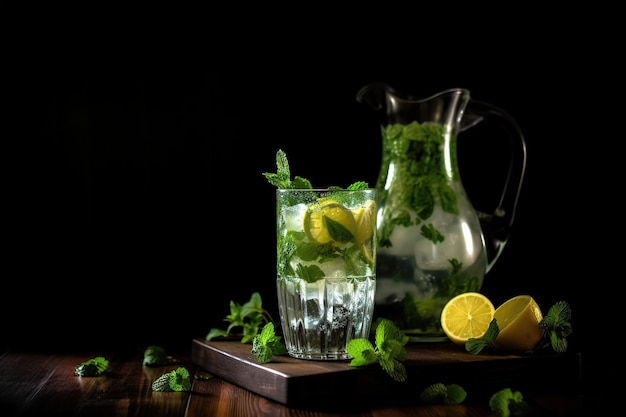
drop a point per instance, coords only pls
(42, 384)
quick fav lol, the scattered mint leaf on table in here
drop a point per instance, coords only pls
(176, 380)
(439, 393)
(508, 403)
(156, 356)
(92, 367)
(556, 326)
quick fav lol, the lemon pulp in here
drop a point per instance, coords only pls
(466, 316)
(321, 217)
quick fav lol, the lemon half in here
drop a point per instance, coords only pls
(518, 321)
(466, 316)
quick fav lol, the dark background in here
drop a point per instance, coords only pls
(137, 208)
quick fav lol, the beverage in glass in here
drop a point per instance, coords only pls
(326, 269)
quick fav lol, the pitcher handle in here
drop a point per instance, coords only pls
(497, 225)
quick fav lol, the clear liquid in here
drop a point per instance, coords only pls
(415, 277)
(413, 295)
(319, 319)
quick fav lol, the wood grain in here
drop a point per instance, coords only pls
(297, 382)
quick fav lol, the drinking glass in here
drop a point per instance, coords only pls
(326, 269)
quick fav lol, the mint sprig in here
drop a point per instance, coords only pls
(92, 367)
(282, 178)
(557, 327)
(155, 355)
(176, 380)
(439, 393)
(389, 351)
(266, 344)
(247, 318)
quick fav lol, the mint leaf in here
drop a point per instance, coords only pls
(362, 352)
(556, 326)
(247, 318)
(282, 177)
(266, 344)
(92, 367)
(439, 393)
(476, 344)
(156, 356)
(176, 380)
(388, 352)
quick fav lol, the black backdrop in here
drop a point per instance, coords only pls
(137, 208)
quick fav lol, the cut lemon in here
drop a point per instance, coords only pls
(365, 220)
(518, 321)
(328, 221)
(466, 316)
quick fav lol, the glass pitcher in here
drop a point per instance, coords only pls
(432, 243)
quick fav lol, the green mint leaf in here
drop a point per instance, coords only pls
(432, 234)
(309, 273)
(267, 333)
(337, 231)
(456, 394)
(388, 350)
(507, 403)
(156, 356)
(282, 178)
(247, 318)
(359, 185)
(393, 367)
(215, 332)
(277, 347)
(423, 165)
(557, 327)
(447, 197)
(476, 344)
(299, 182)
(162, 383)
(176, 380)
(263, 353)
(274, 179)
(92, 367)
(434, 393)
(266, 344)
(180, 380)
(362, 352)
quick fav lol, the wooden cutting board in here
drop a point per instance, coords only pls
(297, 382)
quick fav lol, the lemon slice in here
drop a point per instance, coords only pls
(365, 218)
(466, 316)
(518, 321)
(328, 221)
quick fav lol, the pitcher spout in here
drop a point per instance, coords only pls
(445, 107)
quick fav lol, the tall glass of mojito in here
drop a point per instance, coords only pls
(326, 269)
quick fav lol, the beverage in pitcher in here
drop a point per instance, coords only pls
(431, 243)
